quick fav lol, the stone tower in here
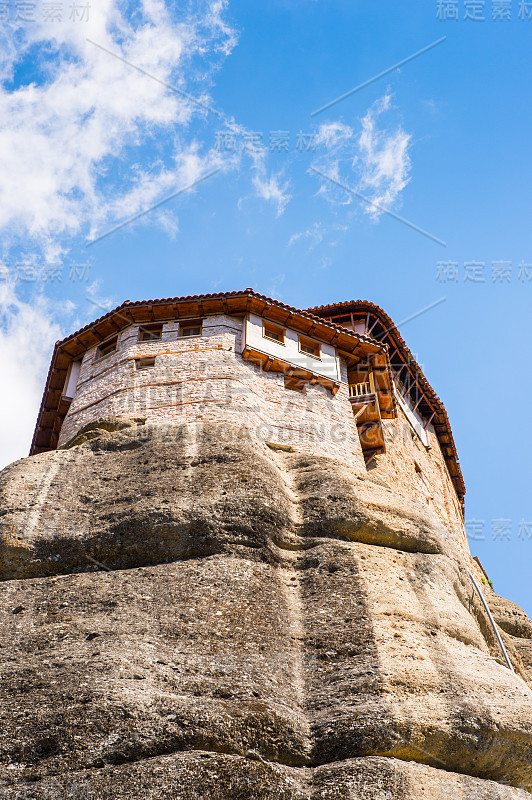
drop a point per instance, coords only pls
(235, 566)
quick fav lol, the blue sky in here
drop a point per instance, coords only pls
(115, 107)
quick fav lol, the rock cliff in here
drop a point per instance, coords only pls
(189, 613)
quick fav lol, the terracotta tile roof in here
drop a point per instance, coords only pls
(128, 304)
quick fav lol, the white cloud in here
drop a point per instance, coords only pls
(384, 159)
(272, 189)
(314, 235)
(148, 190)
(373, 161)
(273, 289)
(332, 135)
(28, 332)
(98, 304)
(61, 140)
(334, 144)
(99, 140)
(317, 233)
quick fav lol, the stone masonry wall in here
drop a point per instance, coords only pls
(206, 379)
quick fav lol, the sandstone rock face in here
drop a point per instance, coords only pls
(188, 613)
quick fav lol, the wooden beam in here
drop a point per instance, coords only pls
(361, 411)
(429, 421)
(345, 354)
(368, 333)
(393, 354)
(117, 327)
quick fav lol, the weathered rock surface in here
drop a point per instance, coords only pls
(516, 631)
(186, 613)
(201, 774)
(148, 494)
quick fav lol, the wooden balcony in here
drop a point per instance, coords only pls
(366, 410)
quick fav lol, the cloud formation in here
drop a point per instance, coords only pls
(384, 160)
(110, 125)
(313, 236)
(28, 331)
(58, 139)
(372, 160)
(272, 188)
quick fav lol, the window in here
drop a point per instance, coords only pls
(107, 348)
(309, 347)
(145, 363)
(190, 327)
(150, 333)
(271, 331)
(72, 379)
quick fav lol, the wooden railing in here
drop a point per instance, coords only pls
(357, 389)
